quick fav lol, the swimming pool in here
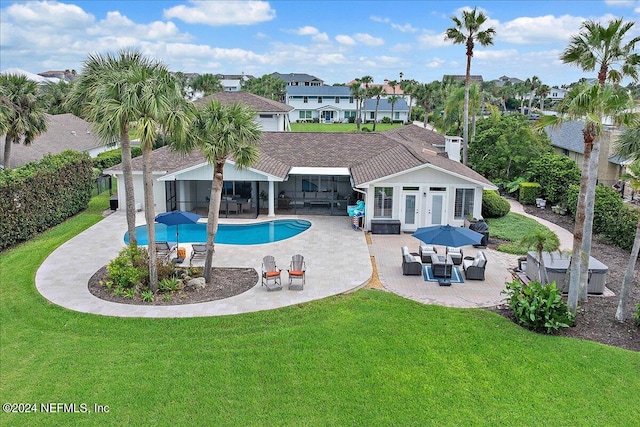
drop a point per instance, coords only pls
(232, 234)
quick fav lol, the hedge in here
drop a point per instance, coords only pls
(110, 158)
(611, 217)
(42, 194)
(529, 192)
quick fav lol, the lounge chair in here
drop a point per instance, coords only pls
(271, 274)
(456, 254)
(441, 266)
(197, 251)
(426, 251)
(411, 263)
(163, 250)
(297, 270)
(474, 266)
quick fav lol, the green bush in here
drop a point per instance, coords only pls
(538, 307)
(111, 158)
(554, 173)
(129, 268)
(494, 205)
(386, 120)
(636, 315)
(42, 194)
(529, 192)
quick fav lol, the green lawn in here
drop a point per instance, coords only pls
(369, 358)
(513, 227)
(339, 127)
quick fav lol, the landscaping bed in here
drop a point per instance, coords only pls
(595, 319)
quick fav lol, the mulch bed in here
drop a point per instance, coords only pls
(226, 282)
(595, 319)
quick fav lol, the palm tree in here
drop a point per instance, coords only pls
(542, 92)
(222, 132)
(206, 83)
(89, 94)
(506, 92)
(467, 31)
(392, 99)
(427, 95)
(542, 241)
(24, 119)
(591, 104)
(601, 47)
(53, 96)
(628, 145)
(408, 88)
(533, 83)
(376, 92)
(357, 92)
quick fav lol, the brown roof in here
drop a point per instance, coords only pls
(257, 103)
(64, 131)
(369, 156)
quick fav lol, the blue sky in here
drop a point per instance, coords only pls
(336, 41)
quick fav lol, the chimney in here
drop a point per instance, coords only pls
(452, 145)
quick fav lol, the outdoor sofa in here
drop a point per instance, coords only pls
(411, 263)
(474, 266)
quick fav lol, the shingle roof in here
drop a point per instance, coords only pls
(257, 103)
(64, 131)
(319, 90)
(568, 135)
(296, 77)
(369, 156)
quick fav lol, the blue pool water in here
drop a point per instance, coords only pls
(232, 234)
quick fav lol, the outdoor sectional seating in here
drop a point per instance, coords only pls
(426, 251)
(441, 266)
(411, 263)
(474, 266)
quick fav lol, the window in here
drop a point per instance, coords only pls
(319, 100)
(383, 202)
(305, 114)
(396, 115)
(348, 114)
(266, 116)
(337, 100)
(372, 115)
(351, 100)
(305, 99)
(464, 202)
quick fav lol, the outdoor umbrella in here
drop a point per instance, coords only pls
(446, 235)
(176, 218)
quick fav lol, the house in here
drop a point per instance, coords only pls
(233, 82)
(502, 80)
(30, 76)
(64, 131)
(403, 175)
(66, 75)
(557, 94)
(461, 78)
(567, 139)
(271, 115)
(299, 79)
(336, 104)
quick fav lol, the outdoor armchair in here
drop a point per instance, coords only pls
(271, 274)
(297, 270)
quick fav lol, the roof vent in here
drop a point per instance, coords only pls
(73, 132)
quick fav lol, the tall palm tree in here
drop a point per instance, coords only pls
(222, 132)
(357, 91)
(53, 96)
(467, 30)
(602, 47)
(408, 88)
(591, 104)
(393, 84)
(392, 100)
(206, 83)
(24, 118)
(542, 92)
(597, 46)
(376, 92)
(507, 91)
(628, 146)
(533, 84)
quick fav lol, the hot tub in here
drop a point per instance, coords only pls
(557, 265)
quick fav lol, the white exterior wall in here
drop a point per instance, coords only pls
(275, 123)
(328, 102)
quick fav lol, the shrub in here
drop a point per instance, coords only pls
(110, 158)
(636, 315)
(529, 192)
(129, 268)
(554, 173)
(147, 296)
(169, 284)
(494, 205)
(538, 307)
(386, 120)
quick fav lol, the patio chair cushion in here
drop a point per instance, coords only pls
(295, 273)
(272, 273)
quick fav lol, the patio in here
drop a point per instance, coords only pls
(338, 261)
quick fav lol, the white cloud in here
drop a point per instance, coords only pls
(435, 63)
(406, 28)
(49, 15)
(379, 19)
(402, 48)
(428, 39)
(368, 39)
(547, 28)
(345, 40)
(315, 34)
(116, 24)
(217, 13)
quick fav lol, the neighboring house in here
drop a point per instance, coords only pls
(299, 79)
(557, 94)
(402, 175)
(271, 115)
(336, 104)
(65, 75)
(31, 76)
(233, 82)
(400, 110)
(64, 131)
(502, 80)
(567, 139)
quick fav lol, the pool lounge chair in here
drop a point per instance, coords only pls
(197, 251)
(163, 250)
(271, 274)
(296, 271)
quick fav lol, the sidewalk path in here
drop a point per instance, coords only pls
(565, 237)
